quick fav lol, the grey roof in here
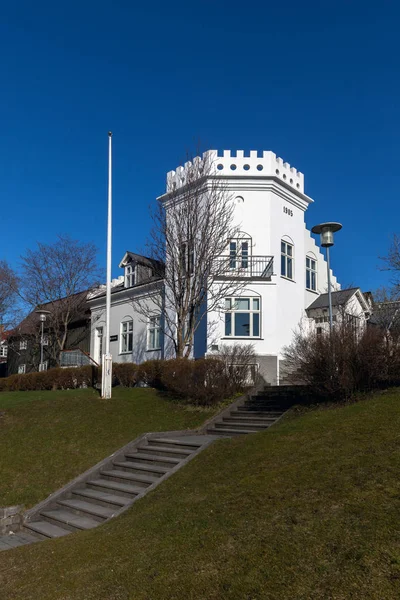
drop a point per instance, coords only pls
(156, 265)
(338, 298)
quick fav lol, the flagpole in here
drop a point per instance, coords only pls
(107, 357)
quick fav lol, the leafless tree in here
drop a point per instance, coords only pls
(58, 276)
(392, 263)
(192, 226)
(8, 295)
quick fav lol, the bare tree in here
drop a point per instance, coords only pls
(58, 276)
(8, 295)
(192, 226)
(392, 263)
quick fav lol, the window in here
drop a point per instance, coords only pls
(3, 351)
(23, 345)
(187, 258)
(43, 366)
(286, 259)
(130, 275)
(21, 369)
(126, 336)
(99, 345)
(153, 333)
(45, 340)
(239, 252)
(242, 317)
(311, 274)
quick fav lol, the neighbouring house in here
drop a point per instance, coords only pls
(284, 273)
(25, 341)
(348, 305)
(132, 338)
(3, 351)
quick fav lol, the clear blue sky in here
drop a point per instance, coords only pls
(316, 82)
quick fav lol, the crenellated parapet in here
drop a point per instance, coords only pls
(230, 163)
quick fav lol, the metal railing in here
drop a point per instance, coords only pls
(76, 358)
(237, 267)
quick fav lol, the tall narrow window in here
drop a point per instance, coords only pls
(99, 345)
(286, 259)
(43, 366)
(245, 255)
(186, 258)
(153, 334)
(21, 369)
(23, 345)
(126, 336)
(232, 255)
(311, 274)
(129, 275)
(242, 317)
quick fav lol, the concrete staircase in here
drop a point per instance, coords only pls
(255, 413)
(112, 486)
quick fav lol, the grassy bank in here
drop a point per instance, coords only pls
(308, 510)
(48, 438)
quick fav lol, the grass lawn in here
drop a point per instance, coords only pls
(308, 510)
(48, 438)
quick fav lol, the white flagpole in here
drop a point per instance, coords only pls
(107, 357)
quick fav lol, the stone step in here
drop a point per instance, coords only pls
(138, 467)
(232, 424)
(246, 417)
(128, 491)
(160, 461)
(173, 443)
(225, 430)
(154, 450)
(103, 498)
(260, 413)
(46, 529)
(81, 507)
(137, 478)
(68, 520)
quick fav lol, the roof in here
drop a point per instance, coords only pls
(339, 298)
(154, 264)
(31, 321)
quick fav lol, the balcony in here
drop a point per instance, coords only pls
(244, 267)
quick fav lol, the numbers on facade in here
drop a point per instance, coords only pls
(288, 211)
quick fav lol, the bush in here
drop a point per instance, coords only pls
(150, 373)
(125, 374)
(338, 365)
(53, 379)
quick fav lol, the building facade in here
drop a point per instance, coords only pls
(281, 268)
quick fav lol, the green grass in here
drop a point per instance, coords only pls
(48, 438)
(308, 510)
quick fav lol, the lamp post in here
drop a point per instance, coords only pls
(326, 231)
(42, 318)
(106, 376)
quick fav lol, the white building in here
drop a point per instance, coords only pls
(283, 269)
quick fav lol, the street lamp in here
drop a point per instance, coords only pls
(326, 231)
(42, 318)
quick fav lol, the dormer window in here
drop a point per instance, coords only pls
(130, 275)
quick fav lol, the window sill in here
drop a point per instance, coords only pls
(128, 352)
(313, 291)
(248, 337)
(153, 349)
(287, 278)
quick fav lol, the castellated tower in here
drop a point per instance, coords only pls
(282, 268)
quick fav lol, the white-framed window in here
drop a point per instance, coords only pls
(186, 257)
(239, 252)
(21, 369)
(153, 333)
(43, 366)
(287, 259)
(3, 350)
(45, 340)
(242, 317)
(311, 274)
(98, 342)
(126, 336)
(130, 275)
(23, 345)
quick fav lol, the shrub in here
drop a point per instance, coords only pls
(53, 379)
(125, 374)
(150, 373)
(338, 365)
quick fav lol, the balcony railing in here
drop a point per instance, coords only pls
(76, 358)
(238, 267)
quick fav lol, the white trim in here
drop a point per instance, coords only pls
(21, 369)
(128, 333)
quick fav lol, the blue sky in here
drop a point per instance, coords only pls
(317, 83)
